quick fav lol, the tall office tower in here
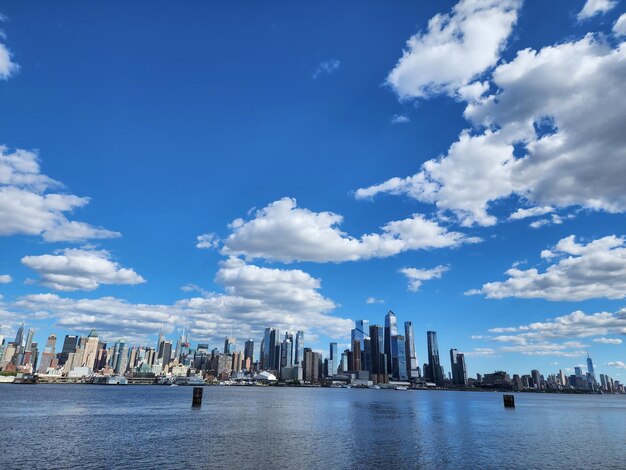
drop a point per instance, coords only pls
(377, 346)
(412, 366)
(159, 345)
(91, 350)
(69, 346)
(229, 345)
(434, 365)
(178, 348)
(398, 352)
(286, 359)
(299, 347)
(34, 355)
(537, 377)
(577, 371)
(29, 339)
(457, 366)
(101, 357)
(366, 355)
(312, 366)
(248, 351)
(270, 359)
(391, 329)
(132, 359)
(48, 354)
(356, 355)
(236, 361)
(590, 370)
(19, 337)
(167, 352)
(334, 360)
(289, 336)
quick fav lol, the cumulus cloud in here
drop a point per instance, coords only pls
(80, 269)
(5, 278)
(7, 66)
(580, 272)
(207, 240)
(522, 213)
(542, 103)
(558, 336)
(374, 300)
(27, 207)
(326, 67)
(619, 28)
(253, 298)
(595, 7)
(618, 364)
(455, 49)
(400, 119)
(615, 341)
(282, 231)
(417, 276)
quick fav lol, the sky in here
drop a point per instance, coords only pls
(222, 167)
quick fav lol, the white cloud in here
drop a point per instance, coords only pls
(531, 212)
(619, 28)
(417, 276)
(79, 269)
(26, 206)
(594, 270)
(284, 232)
(374, 300)
(7, 66)
(5, 278)
(254, 298)
(455, 49)
(326, 67)
(400, 119)
(615, 341)
(207, 240)
(595, 7)
(480, 352)
(543, 103)
(618, 364)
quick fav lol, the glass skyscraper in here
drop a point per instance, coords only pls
(435, 371)
(391, 329)
(411, 356)
(299, 348)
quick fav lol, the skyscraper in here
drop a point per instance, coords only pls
(398, 353)
(457, 366)
(434, 365)
(19, 337)
(299, 348)
(229, 345)
(29, 339)
(379, 359)
(270, 357)
(69, 346)
(592, 374)
(248, 351)
(412, 366)
(334, 360)
(286, 359)
(391, 329)
(91, 350)
(47, 357)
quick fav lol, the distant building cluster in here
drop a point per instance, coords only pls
(378, 356)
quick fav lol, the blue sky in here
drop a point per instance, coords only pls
(461, 164)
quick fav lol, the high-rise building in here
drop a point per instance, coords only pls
(229, 345)
(47, 357)
(398, 352)
(391, 329)
(91, 350)
(312, 366)
(412, 365)
(379, 359)
(286, 348)
(29, 339)
(166, 351)
(334, 360)
(434, 365)
(536, 376)
(356, 355)
(19, 337)
(248, 351)
(69, 346)
(457, 366)
(270, 354)
(592, 374)
(299, 346)
(160, 342)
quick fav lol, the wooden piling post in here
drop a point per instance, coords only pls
(197, 397)
(509, 401)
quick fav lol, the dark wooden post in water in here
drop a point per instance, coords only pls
(509, 401)
(197, 396)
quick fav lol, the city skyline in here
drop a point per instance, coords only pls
(271, 170)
